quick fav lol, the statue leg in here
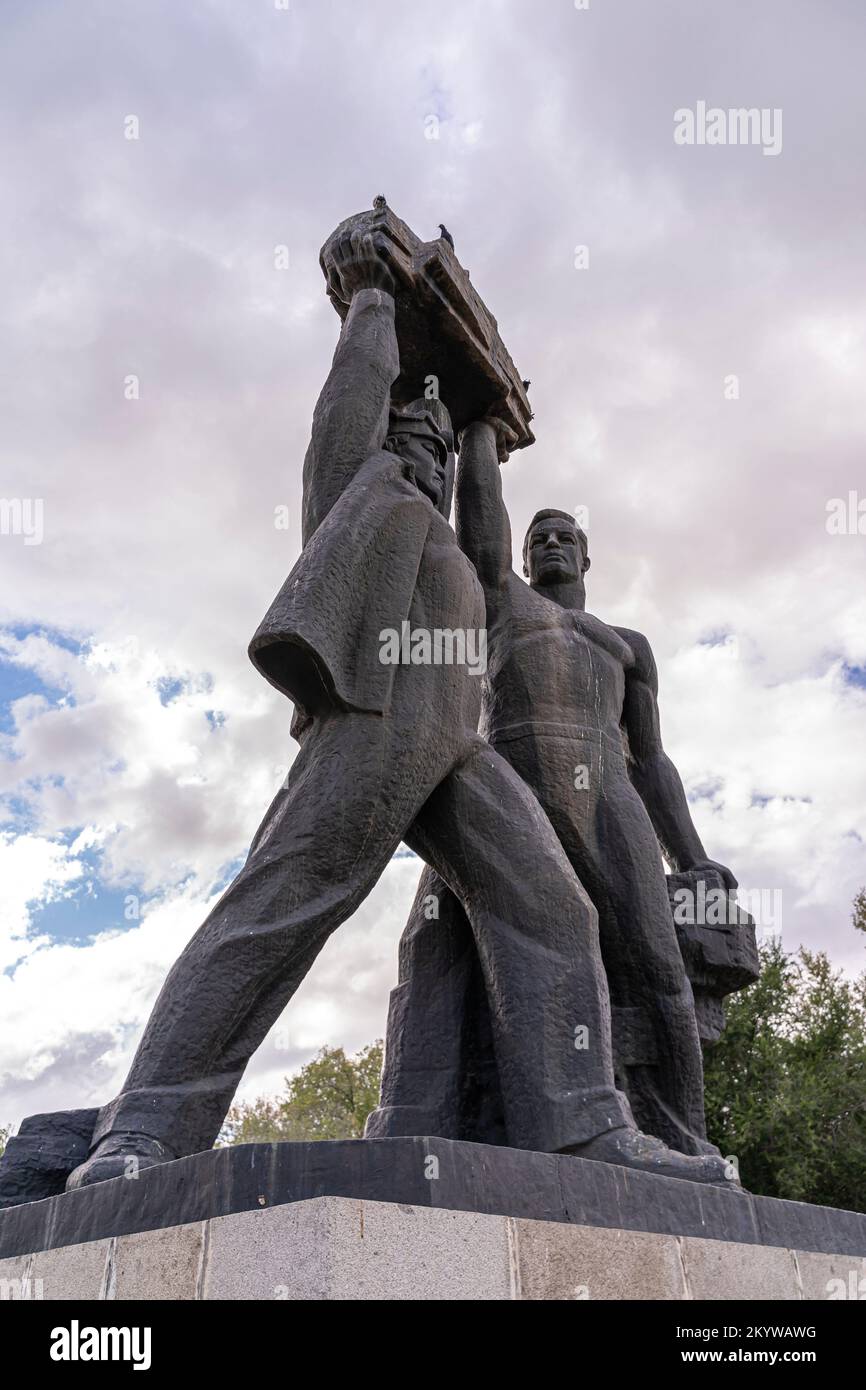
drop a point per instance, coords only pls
(537, 939)
(353, 789)
(611, 844)
(609, 840)
(646, 971)
(439, 1075)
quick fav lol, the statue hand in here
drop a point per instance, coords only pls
(506, 437)
(728, 878)
(358, 264)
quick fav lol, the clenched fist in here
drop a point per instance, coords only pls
(358, 264)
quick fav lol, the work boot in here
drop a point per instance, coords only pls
(118, 1156)
(632, 1149)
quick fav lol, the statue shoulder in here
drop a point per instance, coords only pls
(515, 602)
(644, 662)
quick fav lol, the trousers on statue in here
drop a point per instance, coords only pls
(361, 784)
(440, 1073)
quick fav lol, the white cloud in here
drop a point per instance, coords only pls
(33, 872)
(71, 1017)
(155, 257)
(171, 791)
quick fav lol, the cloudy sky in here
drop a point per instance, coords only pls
(698, 386)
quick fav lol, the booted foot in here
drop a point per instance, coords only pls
(118, 1156)
(632, 1149)
(691, 1144)
(703, 1146)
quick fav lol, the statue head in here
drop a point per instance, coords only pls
(555, 550)
(421, 433)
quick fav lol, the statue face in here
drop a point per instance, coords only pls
(555, 553)
(425, 456)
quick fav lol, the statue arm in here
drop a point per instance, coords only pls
(350, 421)
(483, 528)
(654, 776)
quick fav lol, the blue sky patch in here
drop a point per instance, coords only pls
(86, 909)
(18, 680)
(168, 688)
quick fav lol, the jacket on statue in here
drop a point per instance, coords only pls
(319, 640)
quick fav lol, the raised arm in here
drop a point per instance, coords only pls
(653, 774)
(350, 421)
(483, 528)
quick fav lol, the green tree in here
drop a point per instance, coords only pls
(329, 1098)
(786, 1085)
(5, 1131)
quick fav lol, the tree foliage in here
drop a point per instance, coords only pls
(329, 1098)
(786, 1085)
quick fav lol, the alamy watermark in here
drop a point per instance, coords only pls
(22, 516)
(739, 125)
(846, 516)
(854, 1288)
(438, 646)
(23, 1289)
(727, 907)
(77, 1343)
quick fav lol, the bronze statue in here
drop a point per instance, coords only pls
(389, 752)
(571, 703)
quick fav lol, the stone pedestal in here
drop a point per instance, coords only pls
(421, 1219)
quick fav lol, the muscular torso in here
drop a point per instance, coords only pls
(553, 666)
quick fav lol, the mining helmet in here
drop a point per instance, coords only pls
(427, 417)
